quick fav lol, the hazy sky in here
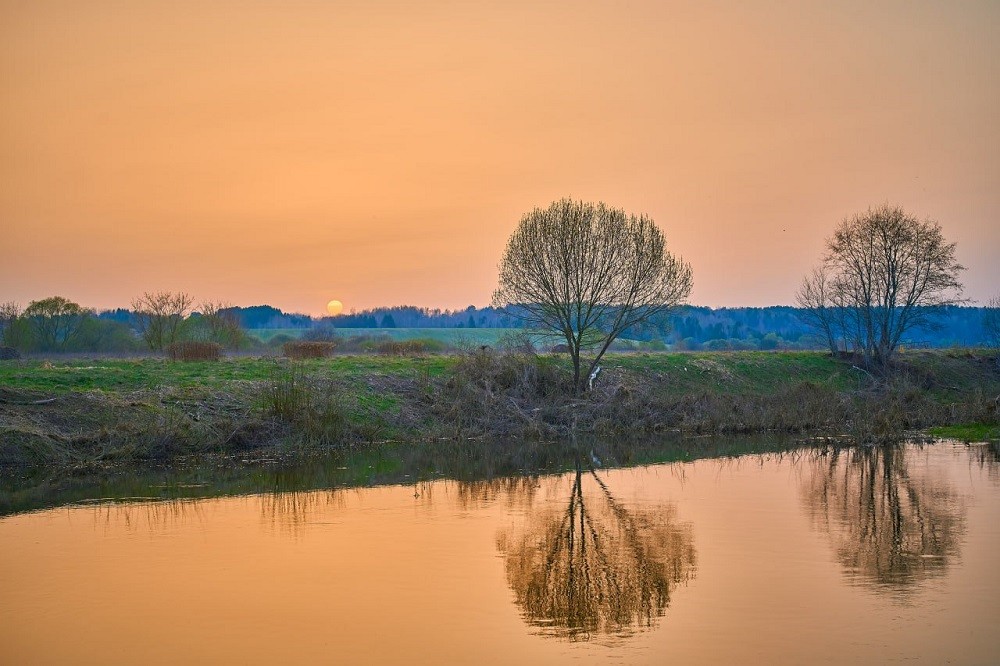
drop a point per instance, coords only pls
(381, 153)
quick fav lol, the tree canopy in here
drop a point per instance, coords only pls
(885, 273)
(585, 273)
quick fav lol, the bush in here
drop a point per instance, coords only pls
(9, 354)
(315, 409)
(307, 349)
(105, 335)
(408, 347)
(194, 351)
(507, 393)
(321, 333)
(279, 340)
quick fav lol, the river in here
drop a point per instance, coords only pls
(801, 555)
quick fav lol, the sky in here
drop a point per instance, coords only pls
(381, 153)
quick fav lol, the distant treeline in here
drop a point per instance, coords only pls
(63, 326)
(689, 327)
(401, 316)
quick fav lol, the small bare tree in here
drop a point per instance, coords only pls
(586, 273)
(160, 315)
(991, 322)
(14, 330)
(818, 309)
(885, 273)
(221, 324)
(10, 312)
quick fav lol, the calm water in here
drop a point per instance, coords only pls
(807, 556)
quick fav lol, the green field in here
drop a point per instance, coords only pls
(127, 375)
(683, 373)
(455, 337)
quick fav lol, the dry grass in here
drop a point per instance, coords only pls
(401, 347)
(312, 406)
(300, 349)
(194, 351)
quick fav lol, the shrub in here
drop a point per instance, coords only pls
(194, 351)
(308, 349)
(321, 333)
(314, 408)
(279, 340)
(407, 347)
(507, 393)
(9, 354)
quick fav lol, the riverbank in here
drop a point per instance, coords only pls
(82, 414)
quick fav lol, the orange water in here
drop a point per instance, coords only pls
(801, 558)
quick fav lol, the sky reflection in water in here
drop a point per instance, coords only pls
(715, 560)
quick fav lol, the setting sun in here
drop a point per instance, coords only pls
(334, 307)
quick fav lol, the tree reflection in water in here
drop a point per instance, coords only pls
(596, 567)
(889, 525)
(987, 456)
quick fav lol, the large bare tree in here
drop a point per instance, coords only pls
(586, 273)
(160, 315)
(884, 274)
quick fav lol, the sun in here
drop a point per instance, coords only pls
(335, 307)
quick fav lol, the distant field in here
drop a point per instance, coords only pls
(454, 337)
(451, 336)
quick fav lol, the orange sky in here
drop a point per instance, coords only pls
(381, 153)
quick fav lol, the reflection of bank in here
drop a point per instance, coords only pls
(890, 525)
(596, 567)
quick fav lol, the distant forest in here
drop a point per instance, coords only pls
(687, 328)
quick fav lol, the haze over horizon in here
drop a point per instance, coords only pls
(381, 153)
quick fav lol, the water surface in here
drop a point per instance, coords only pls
(811, 555)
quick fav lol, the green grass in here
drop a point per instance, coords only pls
(737, 373)
(972, 432)
(731, 373)
(151, 373)
(450, 336)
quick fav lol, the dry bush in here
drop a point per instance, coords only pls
(401, 347)
(190, 350)
(299, 349)
(505, 393)
(314, 408)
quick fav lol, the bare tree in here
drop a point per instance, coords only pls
(885, 273)
(221, 323)
(10, 315)
(586, 273)
(991, 322)
(818, 309)
(55, 320)
(160, 315)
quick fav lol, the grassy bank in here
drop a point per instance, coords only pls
(87, 413)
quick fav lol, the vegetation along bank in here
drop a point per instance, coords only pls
(85, 414)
